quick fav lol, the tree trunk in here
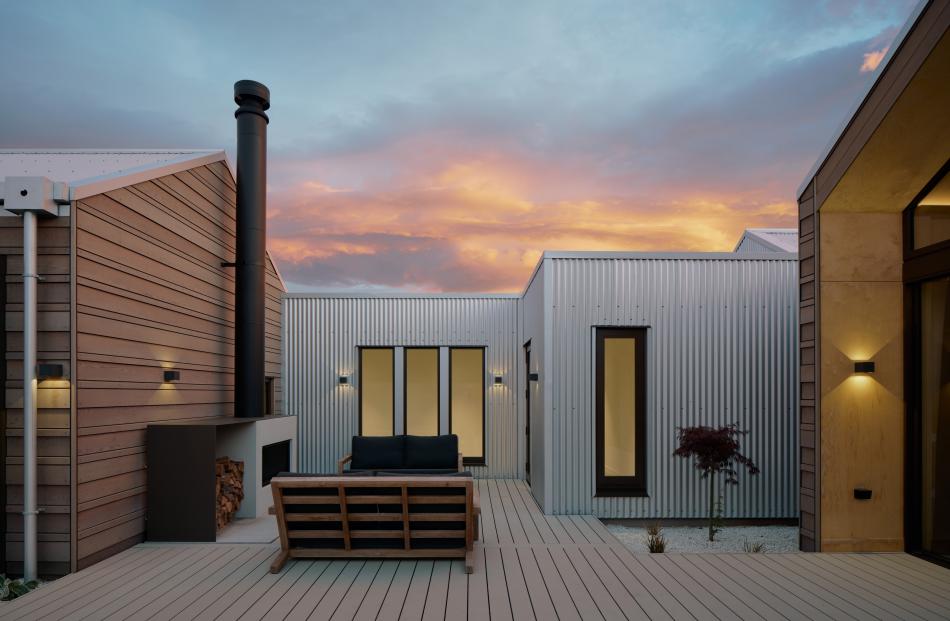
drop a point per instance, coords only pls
(712, 505)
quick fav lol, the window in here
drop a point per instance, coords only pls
(376, 391)
(422, 391)
(467, 401)
(620, 412)
(268, 396)
(931, 212)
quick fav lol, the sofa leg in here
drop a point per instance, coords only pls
(279, 562)
(469, 562)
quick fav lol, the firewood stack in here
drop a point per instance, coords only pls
(229, 489)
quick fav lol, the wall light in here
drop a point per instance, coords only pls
(46, 370)
(532, 377)
(171, 376)
(498, 380)
(344, 380)
(864, 366)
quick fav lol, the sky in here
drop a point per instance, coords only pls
(443, 145)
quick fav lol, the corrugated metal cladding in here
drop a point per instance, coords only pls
(722, 348)
(322, 335)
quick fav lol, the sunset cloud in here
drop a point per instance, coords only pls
(873, 59)
(444, 148)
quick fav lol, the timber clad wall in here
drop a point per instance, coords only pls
(53, 398)
(808, 408)
(151, 294)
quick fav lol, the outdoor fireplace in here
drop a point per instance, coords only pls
(275, 458)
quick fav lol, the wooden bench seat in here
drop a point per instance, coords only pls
(380, 517)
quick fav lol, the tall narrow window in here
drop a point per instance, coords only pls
(467, 401)
(621, 405)
(376, 391)
(422, 391)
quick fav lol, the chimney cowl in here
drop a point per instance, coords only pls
(252, 97)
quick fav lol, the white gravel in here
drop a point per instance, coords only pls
(696, 538)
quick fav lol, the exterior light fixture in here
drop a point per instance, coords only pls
(343, 380)
(532, 377)
(45, 371)
(172, 376)
(498, 380)
(865, 367)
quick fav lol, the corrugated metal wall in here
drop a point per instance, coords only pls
(322, 335)
(722, 348)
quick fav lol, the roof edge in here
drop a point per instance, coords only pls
(859, 104)
(104, 183)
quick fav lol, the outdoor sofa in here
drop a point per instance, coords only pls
(403, 455)
(381, 511)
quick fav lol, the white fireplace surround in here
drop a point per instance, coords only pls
(244, 443)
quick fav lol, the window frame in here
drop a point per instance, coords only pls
(626, 486)
(405, 383)
(483, 459)
(919, 263)
(359, 388)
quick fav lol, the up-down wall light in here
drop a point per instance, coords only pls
(498, 380)
(864, 367)
(344, 380)
(171, 376)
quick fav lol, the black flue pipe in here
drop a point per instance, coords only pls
(252, 99)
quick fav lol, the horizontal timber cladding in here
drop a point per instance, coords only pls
(809, 363)
(722, 347)
(53, 397)
(151, 294)
(322, 334)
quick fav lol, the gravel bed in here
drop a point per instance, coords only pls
(696, 538)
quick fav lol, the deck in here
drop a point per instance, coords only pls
(528, 566)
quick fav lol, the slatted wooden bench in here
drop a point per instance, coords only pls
(380, 517)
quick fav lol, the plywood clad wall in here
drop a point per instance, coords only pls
(53, 441)
(808, 360)
(151, 294)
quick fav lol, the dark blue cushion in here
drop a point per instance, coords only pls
(432, 452)
(348, 473)
(377, 453)
(423, 472)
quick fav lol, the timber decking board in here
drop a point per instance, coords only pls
(540, 567)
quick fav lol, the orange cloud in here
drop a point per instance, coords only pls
(478, 224)
(873, 59)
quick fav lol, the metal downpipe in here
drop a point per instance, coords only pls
(29, 396)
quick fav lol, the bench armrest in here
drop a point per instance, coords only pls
(461, 465)
(342, 462)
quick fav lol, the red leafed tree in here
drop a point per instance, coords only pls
(716, 451)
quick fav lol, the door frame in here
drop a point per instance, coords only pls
(527, 411)
(919, 266)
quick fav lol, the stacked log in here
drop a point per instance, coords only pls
(229, 489)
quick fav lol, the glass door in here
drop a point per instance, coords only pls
(934, 416)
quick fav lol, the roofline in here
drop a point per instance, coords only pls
(190, 158)
(674, 256)
(400, 295)
(104, 183)
(763, 240)
(856, 107)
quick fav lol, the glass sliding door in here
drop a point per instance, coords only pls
(376, 388)
(467, 401)
(934, 412)
(422, 391)
(620, 412)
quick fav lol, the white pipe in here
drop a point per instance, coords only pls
(29, 395)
